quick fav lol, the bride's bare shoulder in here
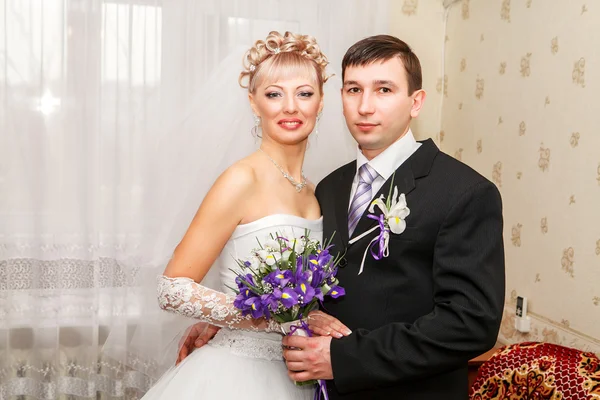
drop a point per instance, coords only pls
(231, 191)
(240, 176)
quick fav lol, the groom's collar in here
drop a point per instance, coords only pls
(391, 158)
(417, 166)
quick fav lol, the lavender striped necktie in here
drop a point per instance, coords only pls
(362, 197)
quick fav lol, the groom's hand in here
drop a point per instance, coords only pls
(310, 360)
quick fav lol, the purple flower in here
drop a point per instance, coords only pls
(321, 260)
(324, 252)
(317, 277)
(278, 278)
(239, 280)
(239, 283)
(300, 273)
(255, 306)
(336, 291)
(246, 293)
(305, 292)
(270, 303)
(319, 294)
(239, 301)
(287, 296)
(316, 282)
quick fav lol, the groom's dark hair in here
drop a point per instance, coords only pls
(383, 48)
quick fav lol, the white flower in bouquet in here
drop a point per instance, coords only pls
(272, 245)
(273, 258)
(297, 245)
(262, 255)
(285, 256)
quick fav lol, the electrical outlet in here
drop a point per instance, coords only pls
(521, 307)
(522, 322)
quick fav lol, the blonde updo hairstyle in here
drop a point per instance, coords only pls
(283, 56)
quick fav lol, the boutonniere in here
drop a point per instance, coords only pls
(394, 211)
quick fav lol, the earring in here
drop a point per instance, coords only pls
(316, 132)
(256, 127)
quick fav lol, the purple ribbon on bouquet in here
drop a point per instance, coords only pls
(380, 240)
(321, 391)
(303, 326)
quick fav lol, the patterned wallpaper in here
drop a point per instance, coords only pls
(521, 106)
(420, 24)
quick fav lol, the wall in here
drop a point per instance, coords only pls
(522, 108)
(420, 24)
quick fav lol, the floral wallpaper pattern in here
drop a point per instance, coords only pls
(522, 108)
(420, 24)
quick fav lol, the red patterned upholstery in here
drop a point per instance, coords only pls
(538, 371)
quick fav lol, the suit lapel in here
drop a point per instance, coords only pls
(417, 166)
(342, 201)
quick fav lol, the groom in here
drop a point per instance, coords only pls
(419, 314)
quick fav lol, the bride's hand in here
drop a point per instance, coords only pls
(197, 337)
(325, 325)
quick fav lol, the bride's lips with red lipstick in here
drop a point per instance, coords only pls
(366, 126)
(290, 123)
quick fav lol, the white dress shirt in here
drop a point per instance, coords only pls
(386, 163)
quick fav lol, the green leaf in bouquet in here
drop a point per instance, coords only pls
(292, 262)
(279, 318)
(244, 266)
(250, 286)
(328, 242)
(388, 201)
(259, 245)
(305, 383)
(293, 258)
(338, 258)
(294, 312)
(235, 290)
(280, 241)
(313, 305)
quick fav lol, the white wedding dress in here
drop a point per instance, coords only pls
(239, 364)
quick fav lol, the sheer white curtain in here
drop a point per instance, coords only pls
(86, 88)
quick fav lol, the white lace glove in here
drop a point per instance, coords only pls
(186, 297)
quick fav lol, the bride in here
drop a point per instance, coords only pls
(265, 192)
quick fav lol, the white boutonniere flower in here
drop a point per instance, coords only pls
(394, 211)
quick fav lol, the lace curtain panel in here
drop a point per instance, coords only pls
(86, 87)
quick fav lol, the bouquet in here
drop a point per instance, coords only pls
(285, 278)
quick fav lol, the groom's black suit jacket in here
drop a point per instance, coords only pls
(436, 301)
